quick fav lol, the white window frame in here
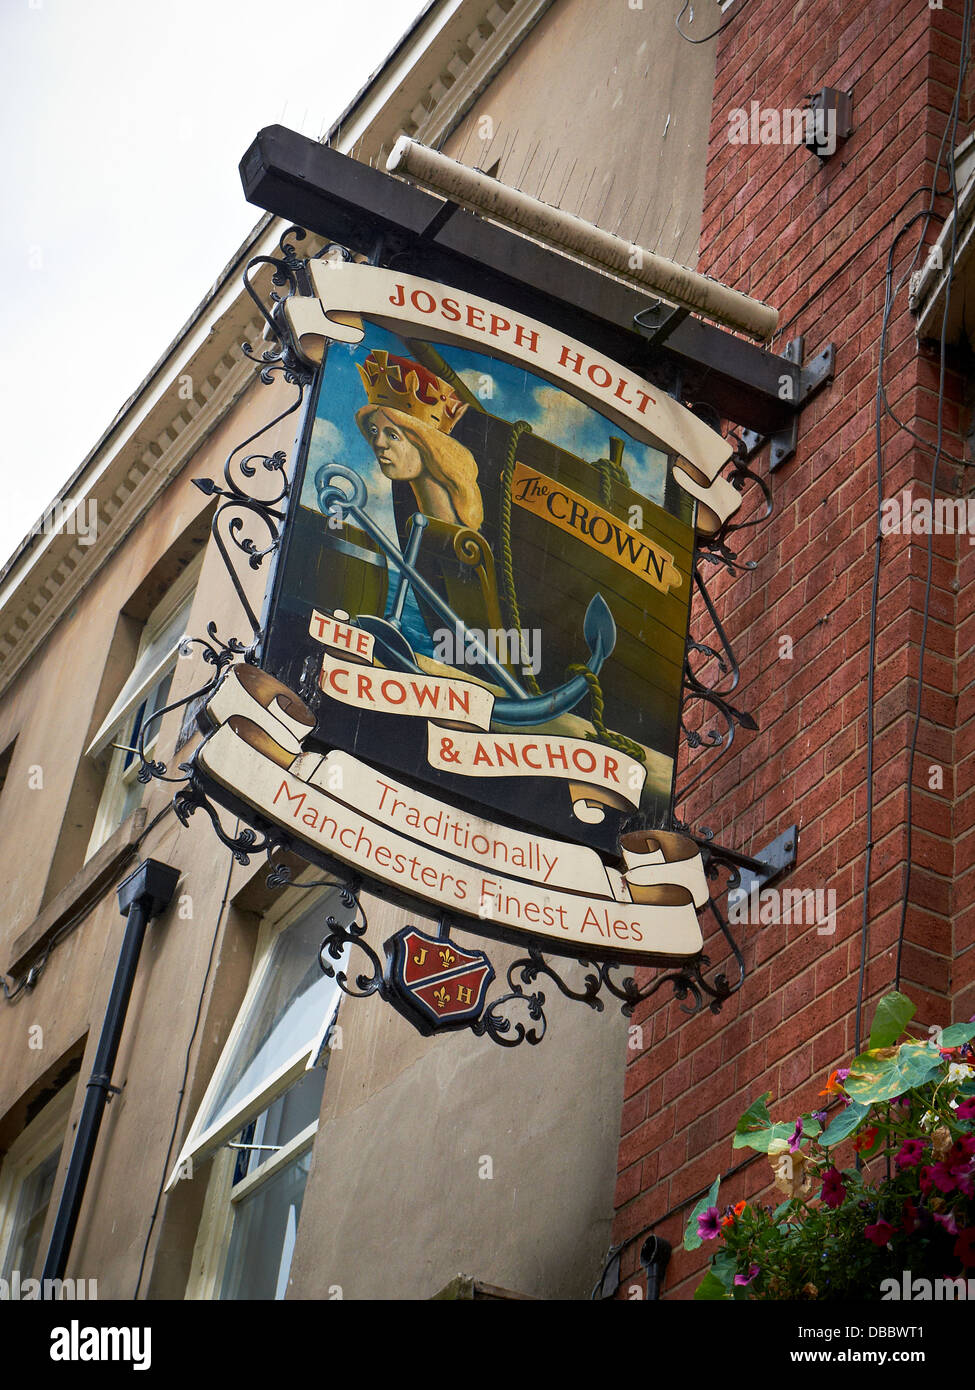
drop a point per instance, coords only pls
(201, 1142)
(45, 1134)
(117, 726)
(213, 1238)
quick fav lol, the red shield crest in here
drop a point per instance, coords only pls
(434, 982)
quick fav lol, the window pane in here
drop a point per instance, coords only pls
(263, 1237)
(284, 1118)
(35, 1196)
(286, 1013)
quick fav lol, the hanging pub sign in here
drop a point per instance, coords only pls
(470, 676)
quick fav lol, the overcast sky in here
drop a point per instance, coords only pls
(123, 122)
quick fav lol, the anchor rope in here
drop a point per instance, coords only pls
(618, 741)
(508, 593)
(510, 598)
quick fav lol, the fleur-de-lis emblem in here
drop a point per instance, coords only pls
(442, 997)
(447, 956)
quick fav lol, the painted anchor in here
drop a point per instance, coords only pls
(599, 626)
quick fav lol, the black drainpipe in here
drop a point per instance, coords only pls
(143, 895)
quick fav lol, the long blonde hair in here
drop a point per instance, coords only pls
(447, 461)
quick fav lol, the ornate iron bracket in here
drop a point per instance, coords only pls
(456, 993)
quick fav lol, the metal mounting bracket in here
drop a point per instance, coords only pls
(657, 321)
(774, 860)
(812, 377)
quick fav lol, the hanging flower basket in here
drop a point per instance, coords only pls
(899, 1220)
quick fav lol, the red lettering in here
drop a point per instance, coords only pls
(450, 310)
(387, 686)
(415, 298)
(333, 675)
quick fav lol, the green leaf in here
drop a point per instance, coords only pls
(755, 1129)
(873, 1079)
(957, 1034)
(894, 1012)
(692, 1241)
(918, 1063)
(724, 1267)
(844, 1124)
(755, 1118)
(709, 1289)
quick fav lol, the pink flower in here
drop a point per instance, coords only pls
(965, 1247)
(947, 1219)
(709, 1224)
(747, 1278)
(834, 1189)
(796, 1136)
(911, 1221)
(943, 1177)
(909, 1155)
(880, 1233)
(966, 1110)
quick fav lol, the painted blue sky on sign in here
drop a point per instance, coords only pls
(506, 390)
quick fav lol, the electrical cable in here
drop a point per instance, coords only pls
(186, 1068)
(845, 265)
(707, 37)
(966, 33)
(880, 400)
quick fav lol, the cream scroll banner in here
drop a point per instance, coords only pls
(343, 293)
(525, 883)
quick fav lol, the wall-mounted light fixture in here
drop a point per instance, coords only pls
(831, 121)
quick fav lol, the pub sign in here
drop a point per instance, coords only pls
(470, 680)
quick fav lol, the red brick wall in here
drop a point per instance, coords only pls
(779, 226)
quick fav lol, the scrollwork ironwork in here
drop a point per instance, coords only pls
(339, 937)
(190, 799)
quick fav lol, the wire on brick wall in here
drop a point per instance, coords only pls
(966, 35)
(707, 37)
(945, 151)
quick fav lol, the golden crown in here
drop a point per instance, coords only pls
(413, 389)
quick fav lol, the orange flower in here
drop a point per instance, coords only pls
(834, 1086)
(865, 1140)
(736, 1210)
